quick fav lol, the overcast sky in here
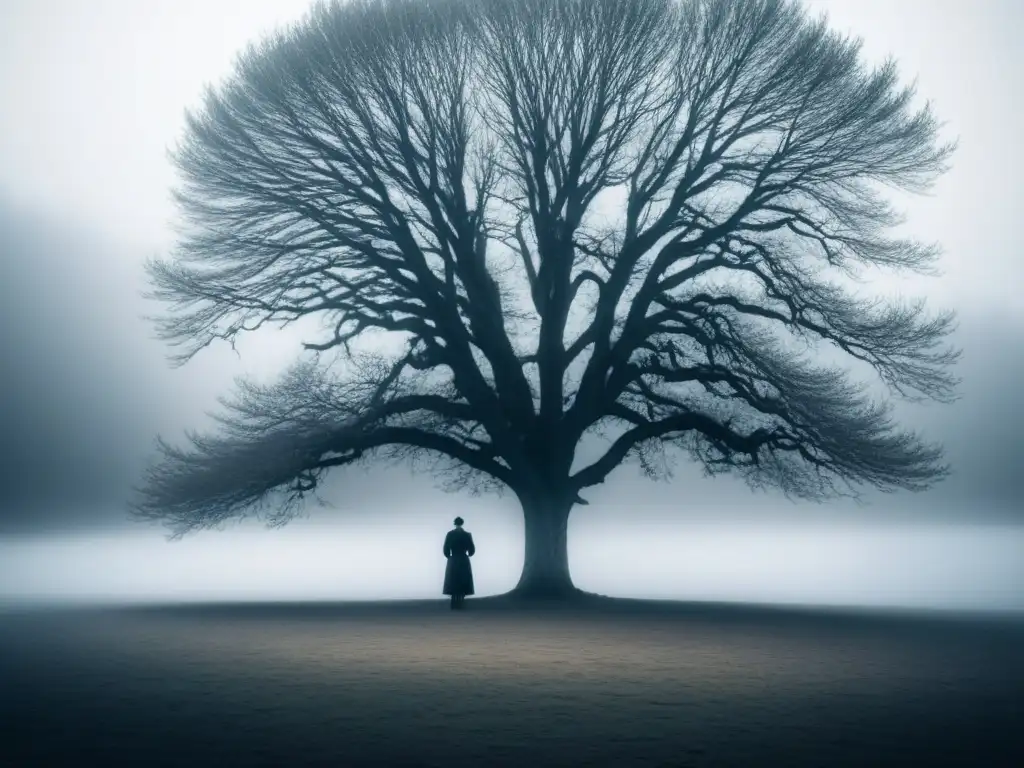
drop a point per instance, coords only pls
(92, 96)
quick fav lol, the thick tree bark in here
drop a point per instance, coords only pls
(546, 560)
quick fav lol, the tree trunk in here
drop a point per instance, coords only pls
(546, 559)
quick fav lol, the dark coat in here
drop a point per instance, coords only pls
(458, 573)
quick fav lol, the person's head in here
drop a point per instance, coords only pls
(458, 522)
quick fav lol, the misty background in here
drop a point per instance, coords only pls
(92, 97)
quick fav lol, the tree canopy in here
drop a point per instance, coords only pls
(524, 223)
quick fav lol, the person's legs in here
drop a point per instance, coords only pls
(455, 601)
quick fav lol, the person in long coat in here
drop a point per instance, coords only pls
(458, 573)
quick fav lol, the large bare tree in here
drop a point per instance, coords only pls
(534, 224)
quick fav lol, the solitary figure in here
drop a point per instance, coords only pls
(458, 573)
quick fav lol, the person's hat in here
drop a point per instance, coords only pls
(459, 521)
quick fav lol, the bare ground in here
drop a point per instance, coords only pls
(604, 683)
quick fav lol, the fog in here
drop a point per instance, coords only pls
(92, 97)
(974, 568)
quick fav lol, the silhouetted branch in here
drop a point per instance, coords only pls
(276, 441)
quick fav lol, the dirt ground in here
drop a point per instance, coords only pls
(613, 683)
